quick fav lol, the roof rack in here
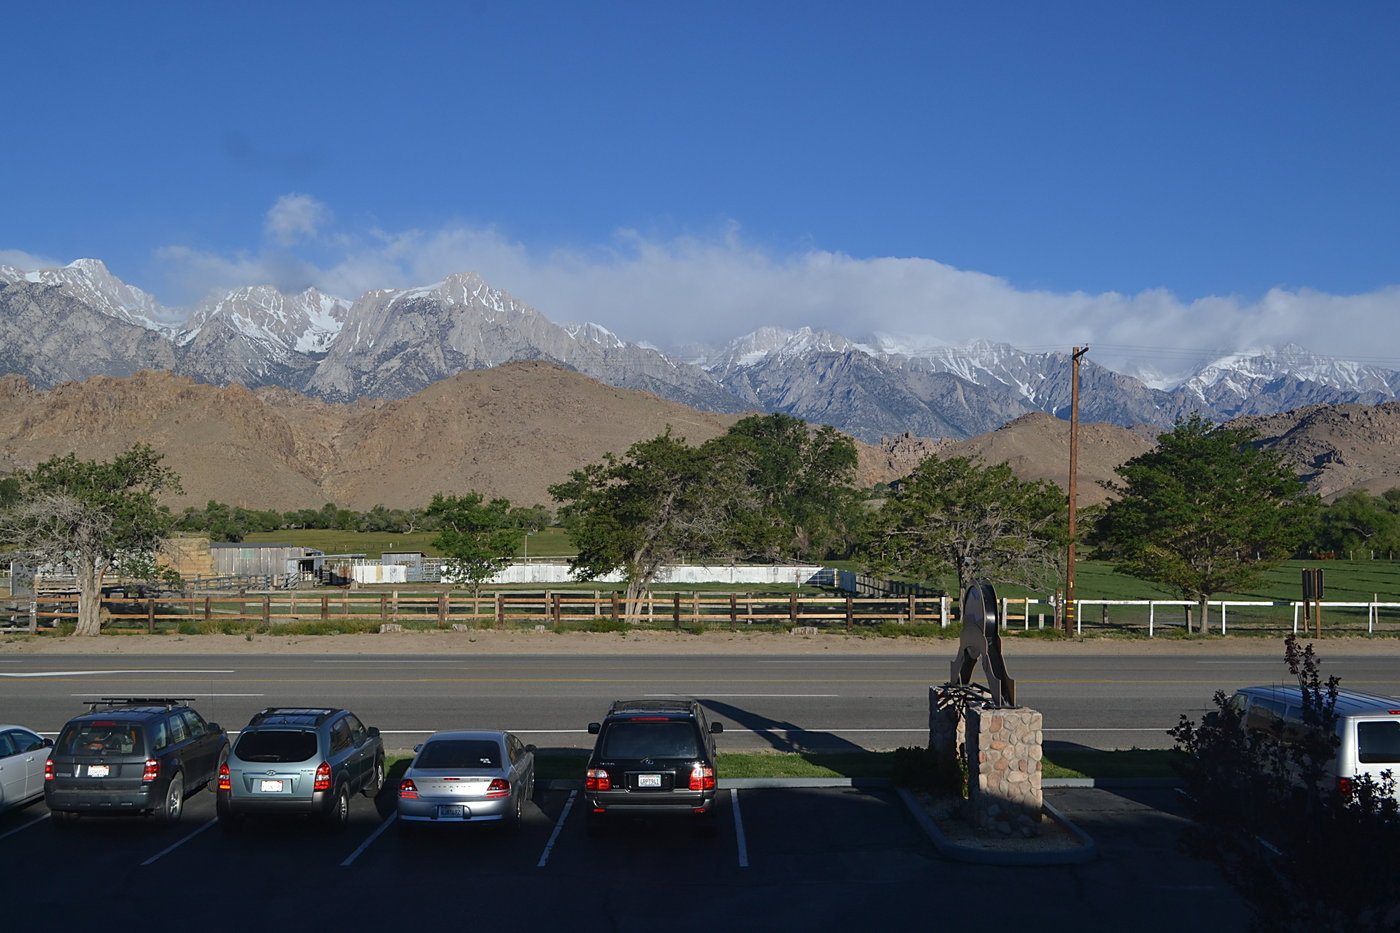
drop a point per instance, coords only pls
(111, 702)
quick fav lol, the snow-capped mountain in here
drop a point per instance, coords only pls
(79, 320)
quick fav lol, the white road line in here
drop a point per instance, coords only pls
(34, 822)
(747, 696)
(1106, 729)
(190, 695)
(169, 849)
(389, 661)
(372, 836)
(568, 805)
(100, 673)
(739, 828)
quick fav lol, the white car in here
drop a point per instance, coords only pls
(23, 753)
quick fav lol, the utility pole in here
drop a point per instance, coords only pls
(1069, 609)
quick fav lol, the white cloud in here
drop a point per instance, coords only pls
(295, 217)
(714, 287)
(19, 259)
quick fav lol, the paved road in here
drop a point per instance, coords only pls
(774, 701)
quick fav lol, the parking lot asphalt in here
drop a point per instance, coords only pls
(785, 858)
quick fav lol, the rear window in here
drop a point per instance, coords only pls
(634, 739)
(280, 745)
(1378, 743)
(459, 753)
(100, 738)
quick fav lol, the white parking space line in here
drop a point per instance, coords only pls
(189, 695)
(749, 696)
(34, 822)
(741, 841)
(100, 673)
(564, 815)
(172, 848)
(350, 859)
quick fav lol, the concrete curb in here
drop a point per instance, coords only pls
(1086, 851)
(876, 783)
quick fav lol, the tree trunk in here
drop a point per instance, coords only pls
(89, 599)
(1205, 619)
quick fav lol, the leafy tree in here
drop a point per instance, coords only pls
(533, 519)
(1268, 814)
(793, 487)
(479, 537)
(641, 511)
(1204, 512)
(93, 516)
(980, 523)
(1360, 521)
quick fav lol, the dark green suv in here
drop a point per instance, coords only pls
(653, 757)
(132, 755)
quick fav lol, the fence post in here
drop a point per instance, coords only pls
(614, 607)
(676, 611)
(442, 610)
(151, 616)
(733, 611)
(792, 608)
(325, 607)
(554, 609)
(500, 611)
(208, 608)
(850, 614)
(396, 606)
(913, 608)
(267, 610)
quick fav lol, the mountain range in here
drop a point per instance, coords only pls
(79, 320)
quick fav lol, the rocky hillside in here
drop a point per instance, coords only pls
(515, 429)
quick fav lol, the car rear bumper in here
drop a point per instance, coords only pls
(475, 810)
(102, 799)
(661, 802)
(318, 804)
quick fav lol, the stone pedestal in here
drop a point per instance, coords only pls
(1004, 768)
(946, 740)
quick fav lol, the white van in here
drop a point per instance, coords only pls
(1368, 726)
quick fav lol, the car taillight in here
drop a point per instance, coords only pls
(48, 770)
(702, 778)
(407, 789)
(499, 787)
(323, 777)
(225, 777)
(1344, 788)
(597, 779)
(151, 771)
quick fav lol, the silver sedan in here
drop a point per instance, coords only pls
(467, 777)
(23, 754)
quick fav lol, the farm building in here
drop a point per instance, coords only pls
(277, 561)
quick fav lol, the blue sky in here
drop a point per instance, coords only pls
(1168, 180)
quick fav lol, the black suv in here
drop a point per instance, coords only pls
(132, 755)
(652, 757)
(305, 761)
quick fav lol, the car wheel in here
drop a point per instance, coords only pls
(174, 805)
(64, 818)
(377, 781)
(339, 816)
(517, 812)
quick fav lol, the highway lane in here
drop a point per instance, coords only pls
(785, 702)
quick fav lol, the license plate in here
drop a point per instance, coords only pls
(450, 812)
(99, 770)
(648, 780)
(270, 787)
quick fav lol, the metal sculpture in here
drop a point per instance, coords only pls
(981, 640)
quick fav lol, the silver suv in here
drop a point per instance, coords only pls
(300, 761)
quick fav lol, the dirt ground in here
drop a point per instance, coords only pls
(651, 642)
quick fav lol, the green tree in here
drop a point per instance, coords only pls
(1359, 521)
(93, 516)
(792, 488)
(641, 511)
(477, 536)
(979, 523)
(1204, 512)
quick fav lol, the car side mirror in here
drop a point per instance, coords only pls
(46, 743)
(530, 748)
(594, 728)
(418, 748)
(716, 727)
(373, 731)
(214, 727)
